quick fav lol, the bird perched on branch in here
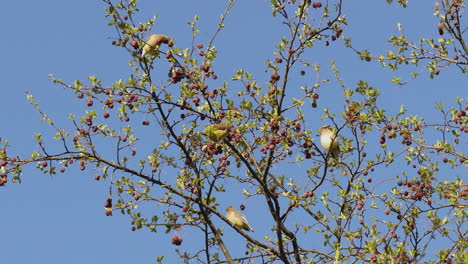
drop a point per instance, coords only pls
(153, 42)
(329, 141)
(217, 132)
(237, 219)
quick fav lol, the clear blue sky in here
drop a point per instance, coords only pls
(61, 219)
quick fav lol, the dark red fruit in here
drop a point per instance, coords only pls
(275, 76)
(134, 43)
(316, 4)
(176, 240)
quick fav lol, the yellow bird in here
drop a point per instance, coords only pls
(217, 132)
(237, 219)
(329, 141)
(153, 42)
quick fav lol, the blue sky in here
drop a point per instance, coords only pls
(61, 219)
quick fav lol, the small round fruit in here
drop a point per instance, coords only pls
(134, 43)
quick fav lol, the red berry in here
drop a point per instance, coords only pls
(97, 177)
(200, 46)
(275, 76)
(242, 207)
(89, 102)
(176, 240)
(316, 4)
(134, 43)
(106, 115)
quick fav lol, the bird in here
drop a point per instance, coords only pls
(153, 43)
(218, 132)
(329, 141)
(237, 219)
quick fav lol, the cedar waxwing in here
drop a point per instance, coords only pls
(217, 132)
(153, 42)
(329, 141)
(237, 219)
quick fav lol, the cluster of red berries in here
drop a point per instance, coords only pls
(352, 111)
(274, 78)
(416, 190)
(108, 206)
(176, 74)
(176, 240)
(461, 118)
(316, 4)
(3, 179)
(337, 34)
(405, 133)
(212, 149)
